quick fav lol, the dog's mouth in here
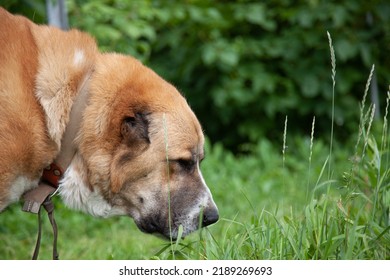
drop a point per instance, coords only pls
(151, 227)
(182, 226)
(157, 227)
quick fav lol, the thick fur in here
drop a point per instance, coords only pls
(139, 144)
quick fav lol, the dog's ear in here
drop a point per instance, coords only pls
(135, 134)
(135, 129)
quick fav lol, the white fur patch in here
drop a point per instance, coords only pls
(78, 58)
(20, 186)
(76, 195)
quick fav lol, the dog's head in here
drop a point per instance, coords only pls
(140, 147)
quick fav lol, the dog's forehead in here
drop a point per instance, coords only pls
(179, 133)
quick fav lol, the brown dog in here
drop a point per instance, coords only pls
(127, 140)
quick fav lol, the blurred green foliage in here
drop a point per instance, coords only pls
(244, 65)
(35, 10)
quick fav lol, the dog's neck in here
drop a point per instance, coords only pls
(68, 147)
(55, 171)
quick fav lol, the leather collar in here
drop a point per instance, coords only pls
(53, 173)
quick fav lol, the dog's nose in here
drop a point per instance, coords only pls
(210, 216)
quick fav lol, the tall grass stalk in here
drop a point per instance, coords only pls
(362, 121)
(284, 148)
(356, 161)
(333, 63)
(165, 128)
(310, 155)
(384, 140)
(371, 115)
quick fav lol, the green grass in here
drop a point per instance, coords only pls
(297, 198)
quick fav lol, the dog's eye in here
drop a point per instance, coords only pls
(186, 164)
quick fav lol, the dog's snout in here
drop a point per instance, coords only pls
(210, 216)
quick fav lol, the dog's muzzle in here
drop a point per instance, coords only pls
(159, 225)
